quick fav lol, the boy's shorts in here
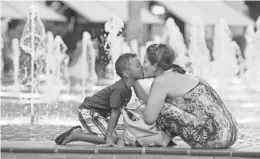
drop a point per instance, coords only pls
(94, 122)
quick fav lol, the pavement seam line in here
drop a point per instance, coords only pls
(96, 150)
(188, 152)
(56, 149)
(143, 150)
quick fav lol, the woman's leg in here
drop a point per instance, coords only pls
(177, 122)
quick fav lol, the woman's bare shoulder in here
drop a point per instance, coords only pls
(167, 78)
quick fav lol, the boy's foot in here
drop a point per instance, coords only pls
(67, 136)
(72, 135)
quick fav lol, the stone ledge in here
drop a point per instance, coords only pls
(169, 151)
(131, 150)
(75, 150)
(236, 153)
(211, 152)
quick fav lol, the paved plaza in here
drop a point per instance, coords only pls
(21, 140)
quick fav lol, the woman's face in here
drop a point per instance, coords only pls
(148, 68)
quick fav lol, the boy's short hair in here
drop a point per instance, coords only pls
(122, 63)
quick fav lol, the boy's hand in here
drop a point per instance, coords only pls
(115, 113)
(109, 143)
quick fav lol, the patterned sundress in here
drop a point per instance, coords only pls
(200, 118)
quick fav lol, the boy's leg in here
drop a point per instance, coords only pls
(96, 126)
(94, 123)
(78, 135)
(94, 135)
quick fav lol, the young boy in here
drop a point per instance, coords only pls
(94, 111)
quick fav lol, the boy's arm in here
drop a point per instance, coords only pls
(140, 92)
(115, 113)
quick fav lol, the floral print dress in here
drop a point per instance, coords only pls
(200, 118)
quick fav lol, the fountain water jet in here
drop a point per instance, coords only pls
(93, 78)
(224, 52)
(198, 51)
(16, 62)
(33, 42)
(65, 71)
(142, 53)
(1, 59)
(84, 73)
(249, 51)
(252, 75)
(173, 36)
(249, 36)
(240, 59)
(114, 26)
(60, 49)
(54, 84)
(49, 59)
(125, 47)
(134, 46)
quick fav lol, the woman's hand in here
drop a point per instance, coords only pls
(141, 109)
(155, 101)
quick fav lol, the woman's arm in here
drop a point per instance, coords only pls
(140, 92)
(155, 101)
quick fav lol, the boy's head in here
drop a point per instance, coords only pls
(129, 66)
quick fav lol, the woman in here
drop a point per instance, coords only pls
(182, 104)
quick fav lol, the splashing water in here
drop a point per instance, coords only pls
(114, 26)
(60, 49)
(53, 85)
(252, 75)
(249, 35)
(223, 53)
(85, 70)
(65, 70)
(91, 60)
(1, 59)
(198, 51)
(16, 52)
(1, 44)
(173, 36)
(33, 33)
(157, 39)
(240, 61)
(50, 59)
(142, 53)
(125, 47)
(134, 46)
(258, 24)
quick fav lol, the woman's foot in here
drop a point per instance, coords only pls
(172, 143)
